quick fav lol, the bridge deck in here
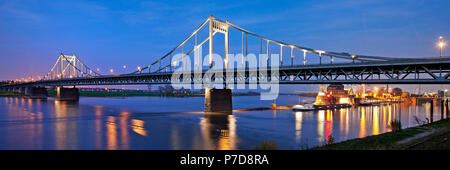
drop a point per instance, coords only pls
(423, 71)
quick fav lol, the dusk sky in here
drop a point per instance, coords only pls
(109, 34)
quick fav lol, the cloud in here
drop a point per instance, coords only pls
(139, 17)
(345, 5)
(12, 9)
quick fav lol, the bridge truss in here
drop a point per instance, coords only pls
(69, 66)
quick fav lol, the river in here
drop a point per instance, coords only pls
(167, 123)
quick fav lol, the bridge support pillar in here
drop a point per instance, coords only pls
(28, 90)
(67, 94)
(36, 92)
(21, 90)
(218, 100)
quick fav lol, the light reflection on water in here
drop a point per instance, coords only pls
(175, 123)
(219, 131)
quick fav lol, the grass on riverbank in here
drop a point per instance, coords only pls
(9, 94)
(389, 141)
(52, 93)
(267, 145)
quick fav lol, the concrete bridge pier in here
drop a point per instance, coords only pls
(21, 90)
(67, 94)
(28, 90)
(218, 100)
(36, 92)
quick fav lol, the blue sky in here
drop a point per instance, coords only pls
(109, 34)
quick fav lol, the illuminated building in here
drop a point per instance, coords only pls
(335, 94)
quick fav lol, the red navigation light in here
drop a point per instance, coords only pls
(328, 95)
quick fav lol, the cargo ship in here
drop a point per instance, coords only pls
(334, 97)
(366, 102)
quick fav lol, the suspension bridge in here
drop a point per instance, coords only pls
(295, 65)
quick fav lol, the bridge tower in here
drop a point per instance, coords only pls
(68, 67)
(218, 100)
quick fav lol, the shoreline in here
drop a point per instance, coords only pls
(10, 94)
(428, 136)
(52, 93)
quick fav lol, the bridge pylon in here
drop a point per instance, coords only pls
(69, 66)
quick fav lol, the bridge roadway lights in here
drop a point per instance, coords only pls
(218, 100)
(36, 92)
(67, 94)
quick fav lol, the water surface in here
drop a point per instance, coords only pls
(179, 123)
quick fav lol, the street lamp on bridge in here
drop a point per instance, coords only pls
(139, 68)
(441, 45)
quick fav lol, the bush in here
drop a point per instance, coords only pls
(330, 140)
(395, 126)
(267, 145)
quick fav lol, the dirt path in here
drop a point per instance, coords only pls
(439, 141)
(420, 135)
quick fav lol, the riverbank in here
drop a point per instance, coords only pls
(52, 93)
(432, 136)
(9, 94)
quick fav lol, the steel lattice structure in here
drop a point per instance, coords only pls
(69, 66)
